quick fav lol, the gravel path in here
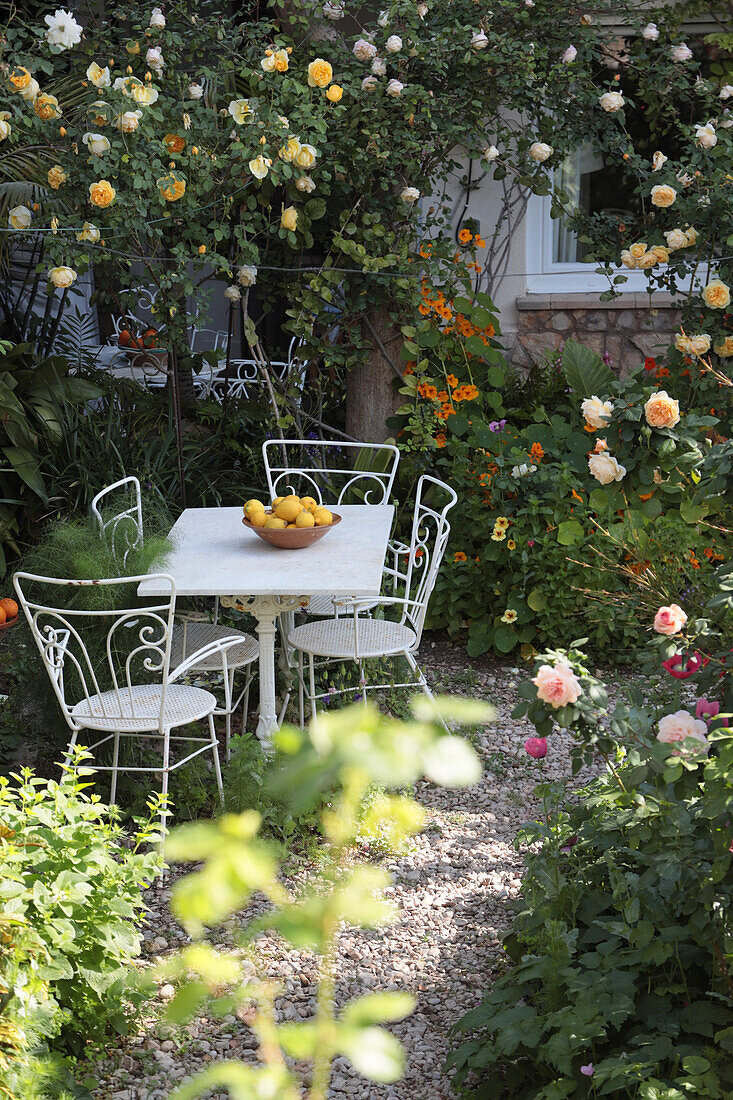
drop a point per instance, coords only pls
(454, 889)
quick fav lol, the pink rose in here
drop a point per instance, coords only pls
(557, 685)
(675, 728)
(707, 709)
(669, 620)
(536, 747)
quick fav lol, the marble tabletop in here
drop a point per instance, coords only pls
(214, 554)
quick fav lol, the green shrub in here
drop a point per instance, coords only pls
(71, 897)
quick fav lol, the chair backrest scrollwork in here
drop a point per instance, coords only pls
(123, 531)
(330, 471)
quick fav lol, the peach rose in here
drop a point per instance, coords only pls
(605, 468)
(557, 684)
(725, 349)
(101, 193)
(663, 195)
(676, 728)
(596, 412)
(56, 177)
(669, 620)
(662, 411)
(717, 294)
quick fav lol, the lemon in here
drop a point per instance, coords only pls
(310, 503)
(253, 506)
(258, 519)
(291, 526)
(275, 502)
(305, 519)
(322, 517)
(276, 522)
(288, 509)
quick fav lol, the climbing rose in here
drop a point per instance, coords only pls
(669, 620)
(63, 30)
(605, 468)
(536, 747)
(596, 412)
(557, 684)
(662, 411)
(674, 728)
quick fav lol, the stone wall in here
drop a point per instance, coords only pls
(627, 329)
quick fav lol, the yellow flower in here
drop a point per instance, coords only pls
(502, 522)
(101, 193)
(145, 94)
(202, 249)
(260, 166)
(663, 195)
(334, 93)
(275, 62)
(20, 78)
(62, 277)
(56, 176)
(716, 294)
(511, 544)
(499, 534)
(172, 188)
(5, 128)
(175, 143)
(98, 111)
(240, 110)
(47, 107)
(289, 218)
(290, 149)
(637, 249)
(88, 232)
(306, 156)
(509, 616)
(661, 253)
(320, 73)
(98, 76)
(725, 349)
(133, 47)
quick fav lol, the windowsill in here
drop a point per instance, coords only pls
(590, 300)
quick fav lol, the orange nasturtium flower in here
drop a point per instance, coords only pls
(440, 439)
(452, 381)
(460, 556)
(465, 236)
(536, 452)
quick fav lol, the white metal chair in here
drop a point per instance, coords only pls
(119, 682)
(124, 531)
(358, 635)
(245, 376)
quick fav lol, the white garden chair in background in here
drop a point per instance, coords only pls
(123, 531)
(119, 682)
(357, 634)
(245, 377)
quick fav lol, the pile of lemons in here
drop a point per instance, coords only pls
(288, 512)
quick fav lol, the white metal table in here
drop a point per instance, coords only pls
(213, 554)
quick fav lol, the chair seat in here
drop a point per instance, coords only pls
(336, 638)
(137, 709)
(200, 634)
(323, 606)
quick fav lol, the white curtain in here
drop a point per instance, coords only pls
(570, 177)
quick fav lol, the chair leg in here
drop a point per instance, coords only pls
(312, 682)
(362, 683)
(301, 691)
(217, 768)
(245, 702)
(115, 762)
(164, 813)
(424, 686)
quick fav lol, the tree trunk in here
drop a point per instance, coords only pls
(370, 390)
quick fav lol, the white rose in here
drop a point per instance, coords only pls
(523, 470)
(369, 83)
(422, 10)
(129, 121)
(705, 136)
(63, 30)
(479, 41)
(260, 166)
(726, 91)
(62, 277)
(154, 59)
(726, 120)
(681, 52)
(30, 92)
(96, 143)
(247, 275)
(123, 84)
(157, 19)
(145, 94)
(650, 32)
(605, 468)
(612, 102)
(569, 56)
(305, 183)
(491, 153)
(684, 178)
(5, 129)
(394, 88)
(233, 293)
(596, 412)
(675, 239)
(195, 91)
(89, 232)
(333, 11)
(240, 110)
(19, 217)
(410, 195)
(393, 44)
(364, 50)
(379, 66)
(691, 235)
(98, 76)
(306, 156)
(658, 160)
(540, 151)
(383, 18)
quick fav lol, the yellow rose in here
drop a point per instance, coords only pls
(716, 294)
(334, 93)
(661, 253)
(98, 111)
(281, 61)
(663, 195)
(62, 277)
(98, 76)
(260, 166)
(637, 250)
(290, 150)
(646, 261)
(128, 121)
(700, 345)
(268, 63)
(47, 107)
(56, 176)
(724, 350)
(175, 143)
(145, 94)
(240, 110)
(320, 73)
(289, 218)
(20, 78)
(306, 157)
(101, 193)
(5, 129)
(133, 47)
(662, 411)
(30, 92)
(172, 188)
(88, 232)
(19, 217)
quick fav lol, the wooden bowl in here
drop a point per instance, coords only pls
(295, 538)
(9, 622)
